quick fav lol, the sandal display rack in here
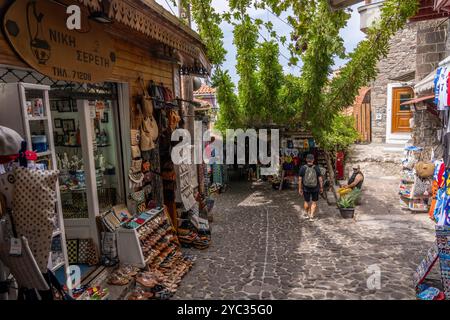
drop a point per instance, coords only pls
(150, 243)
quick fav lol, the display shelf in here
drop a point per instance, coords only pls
(415, 198)
(418, 210)
(59, 265)
(131, 246)
(44, 154)
(37, 118)
(79, 146)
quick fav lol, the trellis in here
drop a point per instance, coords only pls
(59, 88)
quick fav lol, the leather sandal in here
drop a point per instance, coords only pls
(140, 294)
(118, 280)
(146, 280)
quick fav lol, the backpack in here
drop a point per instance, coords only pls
(310, 180)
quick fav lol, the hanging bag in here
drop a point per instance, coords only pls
(135, 152)
(149, 134)
(137, 202)
(174, 119)
(147, 102)
(135, 136)
(136, 166)
(149, 126)
(135, 180)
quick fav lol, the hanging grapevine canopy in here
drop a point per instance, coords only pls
(311, 98)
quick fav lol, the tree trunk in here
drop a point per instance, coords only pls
(332, 175)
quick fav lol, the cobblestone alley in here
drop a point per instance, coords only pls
(264, 248)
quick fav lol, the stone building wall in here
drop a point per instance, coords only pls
(400, 60)
(432, 46)
(418, 48)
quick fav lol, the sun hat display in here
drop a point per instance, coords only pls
(424, 169)
(13, 147)
(10, 141)
(10, 144)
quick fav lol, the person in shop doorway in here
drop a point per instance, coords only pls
(211, 153)
(251, 173)
(355, 181)
(310, 185)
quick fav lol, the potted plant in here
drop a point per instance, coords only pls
(347, 204)
(276, 182)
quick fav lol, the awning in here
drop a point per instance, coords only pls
(427, 83)
(417, 100)
(443, 5)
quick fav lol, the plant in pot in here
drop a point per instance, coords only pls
(347, 203)
(276, 182)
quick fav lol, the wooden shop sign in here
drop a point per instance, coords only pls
(37, 31)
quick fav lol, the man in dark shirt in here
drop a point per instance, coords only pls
(310, 184)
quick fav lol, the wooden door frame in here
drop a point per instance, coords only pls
(394, 137)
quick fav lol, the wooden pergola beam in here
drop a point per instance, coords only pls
(339, 4)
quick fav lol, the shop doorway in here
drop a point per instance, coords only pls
(88, 150)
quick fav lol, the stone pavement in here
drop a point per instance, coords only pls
(264, 248)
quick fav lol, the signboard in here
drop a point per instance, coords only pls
(443, 244)
(37, 31)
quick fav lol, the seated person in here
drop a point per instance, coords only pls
(355, 181)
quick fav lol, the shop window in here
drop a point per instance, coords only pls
(404, 98)
(106, 151)
(69, 148)
(68, 144)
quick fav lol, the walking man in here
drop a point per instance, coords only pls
(310, 184)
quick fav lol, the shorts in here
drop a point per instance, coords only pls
(314, 196)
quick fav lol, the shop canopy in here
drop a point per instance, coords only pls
(443, 5)
(427, 83)
(417, 100)
(422, 103)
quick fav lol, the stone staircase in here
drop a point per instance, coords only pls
(380, 204)
(372, 157)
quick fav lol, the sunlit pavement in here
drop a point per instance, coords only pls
(264, 248)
